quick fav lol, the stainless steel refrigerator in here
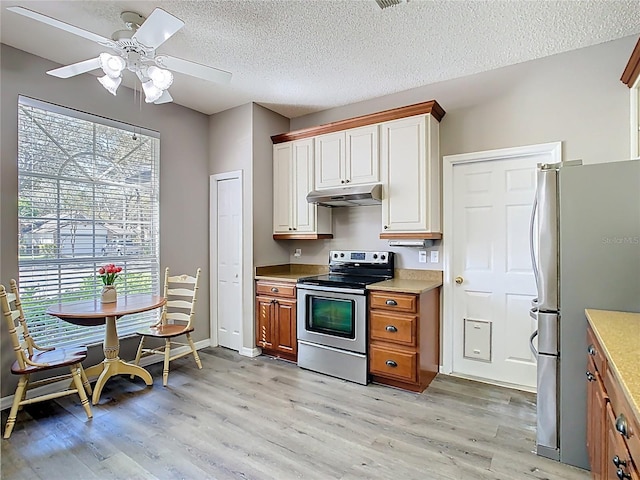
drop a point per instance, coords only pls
(585, 244)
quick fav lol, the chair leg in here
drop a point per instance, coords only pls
(195, 352)
(17, 398)
(77, 380)
(85, 381)
(138, 354)
(167, 355)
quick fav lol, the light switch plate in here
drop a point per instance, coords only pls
(297, 252)
(435, 258)
(422, 256)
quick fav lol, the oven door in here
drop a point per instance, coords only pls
(334, 317)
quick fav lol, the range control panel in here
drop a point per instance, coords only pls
(360, 257)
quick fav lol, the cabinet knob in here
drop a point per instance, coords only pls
(347, 181)
(386, 226)
(294, 228)
(618, 462)
(274, 290)
(341, 181)
(290, 228)
(621, 425)
(391, 328)
(393, 303)
(591, 349)
(590, 376)
(391, 363)
(622, 474)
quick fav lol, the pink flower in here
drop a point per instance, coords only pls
(109, 273)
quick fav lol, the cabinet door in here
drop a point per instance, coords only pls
(282, 187)
(330, 160)
(285, 326)
(410, 173)
(596, 421)
(362, 158)
(264, 322)
(615, 447)
(304, 213)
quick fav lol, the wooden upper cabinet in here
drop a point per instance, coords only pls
(631, 78)
(410, 173)
(347, 158)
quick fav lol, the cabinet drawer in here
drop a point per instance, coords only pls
(393, 363)
(400, 302)
(621, 409)
(594, 350)
(274, 288)
(390, 327)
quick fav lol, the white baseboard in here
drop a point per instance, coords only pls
(6, 402)
(250, 352)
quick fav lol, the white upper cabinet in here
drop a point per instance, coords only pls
(410, 174)
(348, 157)
(292, 181)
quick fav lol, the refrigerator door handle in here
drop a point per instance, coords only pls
(532, 237)
(533, 349)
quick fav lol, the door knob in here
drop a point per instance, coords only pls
(459, 280)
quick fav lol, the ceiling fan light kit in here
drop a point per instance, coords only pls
(135, 51)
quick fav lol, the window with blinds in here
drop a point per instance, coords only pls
(88, 195)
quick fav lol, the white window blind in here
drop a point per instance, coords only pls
(88, 195)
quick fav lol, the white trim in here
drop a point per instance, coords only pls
(250, 352)
(553, 149)
(6, 402)
(635, 119)
(213, 252)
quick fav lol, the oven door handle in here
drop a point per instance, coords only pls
(321, 288)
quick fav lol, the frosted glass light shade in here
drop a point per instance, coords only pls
(151, 92)
(111, 84)
(160, 77)
(112, 65)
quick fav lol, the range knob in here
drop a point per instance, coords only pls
(341, 255)
(383, 257)
(375, 255)
(335, 255)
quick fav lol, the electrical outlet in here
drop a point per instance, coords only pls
(435, 258)
(298, 252)
(422, 256)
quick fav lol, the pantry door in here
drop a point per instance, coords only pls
(489, 281)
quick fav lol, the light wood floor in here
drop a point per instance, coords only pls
(241, 418)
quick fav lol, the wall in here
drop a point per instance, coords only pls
(575, 97)
(240, 140)
(183, 176)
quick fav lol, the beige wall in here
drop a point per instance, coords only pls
(183, 175)
(575, 97)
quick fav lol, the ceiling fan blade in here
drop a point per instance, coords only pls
(76, 68)
(194, 69)
(164, 98)
(61, 25)
(157, 28)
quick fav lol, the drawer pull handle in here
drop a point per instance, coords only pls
(391, 328)
(391, 302)
(622, 475)
(391, 363)
(621, 425)
(274, 290)
(590, 376)
(591, 350)
(618, 462)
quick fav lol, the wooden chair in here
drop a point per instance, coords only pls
(31, 358)
(181, 292)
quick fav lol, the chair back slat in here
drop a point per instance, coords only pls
(181, 292)
(20, 338)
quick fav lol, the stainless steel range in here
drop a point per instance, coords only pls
(332, 313)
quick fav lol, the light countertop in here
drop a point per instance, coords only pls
(619, 334)
(405, 285)
(289, 272)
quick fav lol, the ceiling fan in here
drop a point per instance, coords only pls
(135, 50)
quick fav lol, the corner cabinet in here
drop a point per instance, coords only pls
(293, 217)
(276, 331)
(410, 174)
(404, 338)
(347, 158)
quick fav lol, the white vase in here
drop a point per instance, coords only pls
(109, 294)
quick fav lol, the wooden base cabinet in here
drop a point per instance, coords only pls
(276, 330)
(613, 433)
(404, 338)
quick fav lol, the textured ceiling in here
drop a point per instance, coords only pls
(302, 56)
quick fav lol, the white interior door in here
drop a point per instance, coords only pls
(490, 279)
(226, 238)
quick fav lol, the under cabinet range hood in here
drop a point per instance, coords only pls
(351, 196)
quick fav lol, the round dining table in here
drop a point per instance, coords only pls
(95, 313)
